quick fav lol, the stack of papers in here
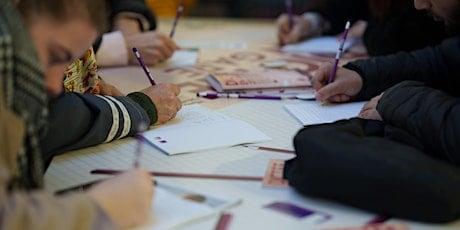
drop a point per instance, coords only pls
(197, 128)
(313, 112)
(321, 45)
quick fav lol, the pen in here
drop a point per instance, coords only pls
(180, 10)
(144, 67)
(242, 96)
(289, 12)
(183, 175)
(140, 142)
(339, 54)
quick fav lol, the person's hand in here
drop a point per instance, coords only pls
(109, 90)
(126, 199)
(299, 31)
(346, 86)
(155, 47)
(369, 111)
(165, 98)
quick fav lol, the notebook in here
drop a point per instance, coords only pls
(313, 112)
(321, 45)
(197, 128)
(258, 79)
(174, 207)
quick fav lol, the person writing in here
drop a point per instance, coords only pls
(39, 39)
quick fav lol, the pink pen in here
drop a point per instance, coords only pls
(339, 54)
(179, 12)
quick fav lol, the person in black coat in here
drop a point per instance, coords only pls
(386, 26)
(402, 156)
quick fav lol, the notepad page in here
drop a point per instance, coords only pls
(312, 112)
(181, 58)
(197, 128)
(328, 44)
(270, 118)
(172, 209)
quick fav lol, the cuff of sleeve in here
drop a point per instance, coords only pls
(146, 103)
(362, 95)
(144, 24)
(112, 51)
(393, 98)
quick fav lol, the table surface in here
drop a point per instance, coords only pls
(227, 45)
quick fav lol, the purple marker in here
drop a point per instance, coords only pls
(242, 96)
(144, 67)
(339, 54)
(180, 10)
(289, 12)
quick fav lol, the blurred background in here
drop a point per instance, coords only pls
(226, 8)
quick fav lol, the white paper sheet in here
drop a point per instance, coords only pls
(171, 209)
(182, 58)
(313, 112)
(270, 118)
(321, 45)
(197, 128)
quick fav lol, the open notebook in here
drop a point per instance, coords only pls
(174, 207)
(313, 112)
(197, 128)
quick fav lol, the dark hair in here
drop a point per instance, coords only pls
(62, 10)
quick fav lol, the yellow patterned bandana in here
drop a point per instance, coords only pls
(81, 76)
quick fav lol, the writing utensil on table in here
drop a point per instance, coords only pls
(339, 54)
(268, 149)
(289, 12)
(180, 10)
(144, 67)
(140, 143)
(224, 222)
(242, 96)
(183, 175)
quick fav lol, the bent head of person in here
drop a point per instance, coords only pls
(447, 11)
(61, 32)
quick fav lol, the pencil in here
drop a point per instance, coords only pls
(144, 67)
(180, 10)
(270, 149)
(183, 175)
(339, 54)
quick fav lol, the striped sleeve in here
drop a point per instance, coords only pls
(83, 120)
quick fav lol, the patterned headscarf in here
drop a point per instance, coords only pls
(81, 76)
(25, 93)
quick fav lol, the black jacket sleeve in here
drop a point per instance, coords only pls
(435, 66)
(430, 115)
(82, 120)
(352, 162)
(338, 12)
(133, 6)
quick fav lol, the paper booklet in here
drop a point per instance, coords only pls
(175, 207)
(197, 128)
(257, 79)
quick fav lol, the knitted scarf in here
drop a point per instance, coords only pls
(25, 93)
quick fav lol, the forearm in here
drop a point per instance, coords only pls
(82, 120)
(38, 210)
(434, 66)
(430, 115)
(336, 13)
